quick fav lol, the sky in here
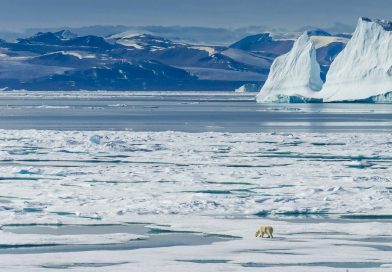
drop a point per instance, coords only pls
(16, 15)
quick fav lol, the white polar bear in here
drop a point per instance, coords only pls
(268, 230)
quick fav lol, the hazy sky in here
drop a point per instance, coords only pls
(20, 14)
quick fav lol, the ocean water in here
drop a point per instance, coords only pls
(194, 112)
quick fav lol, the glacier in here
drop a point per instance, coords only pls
(363, 70)
(294, 76)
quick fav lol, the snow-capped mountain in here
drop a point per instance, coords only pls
(318, 32)
(354, 67)
(143, 41)
(48, 38)
(326, 54)
(295, 75)
(47, 60)
(66, 34)
(363, 70)
(263, 44)
(73, 59)
(67, 56)
(195, 58)
(145, 75)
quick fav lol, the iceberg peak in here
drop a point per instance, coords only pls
(385, 24)
(295, 74)
(364, 68)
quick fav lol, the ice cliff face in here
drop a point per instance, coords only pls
(295, 75)
(363, 70)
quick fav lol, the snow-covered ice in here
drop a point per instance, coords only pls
(328, 197)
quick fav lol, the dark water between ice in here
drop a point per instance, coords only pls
(184, 112)
(153, 237)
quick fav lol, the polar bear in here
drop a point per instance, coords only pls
(268, 230)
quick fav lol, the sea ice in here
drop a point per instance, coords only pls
(328, 197)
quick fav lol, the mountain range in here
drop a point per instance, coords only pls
(64, 60)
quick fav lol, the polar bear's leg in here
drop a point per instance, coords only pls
(270, 231)
(258, 233)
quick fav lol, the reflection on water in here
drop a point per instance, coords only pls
(184, 112)
(154, 237)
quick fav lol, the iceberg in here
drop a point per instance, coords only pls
(249, 87)
(363, 70)
(295, 76)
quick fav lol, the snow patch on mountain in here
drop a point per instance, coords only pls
(125, 35)
(322, 41)
(295, 74)
(73, 53)
(130, 43)
(210, 50)
(247, 57)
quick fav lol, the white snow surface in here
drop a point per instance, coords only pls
(364, 68)
(210, 50)
(296, 73)
(246, 57)
(204, 182)
(140, 161)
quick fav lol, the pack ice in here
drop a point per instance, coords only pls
(295, 76)
(363, 70)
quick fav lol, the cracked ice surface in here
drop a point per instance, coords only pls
(107, 174)
(206, 182)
